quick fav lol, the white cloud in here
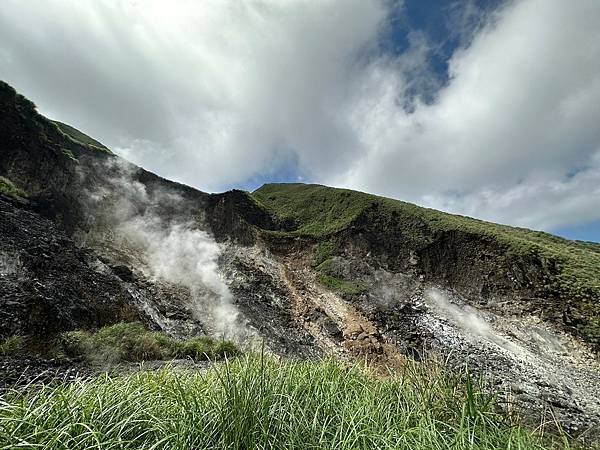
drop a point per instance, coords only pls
(544, 201)
(210, 92)
(519, 114)
(214, 93)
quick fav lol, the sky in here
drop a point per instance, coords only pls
(487, 108)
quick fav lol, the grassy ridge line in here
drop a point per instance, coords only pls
(44, 130)
(320, 210)
(259, 403)
(80, 138)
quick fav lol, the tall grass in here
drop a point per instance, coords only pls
(254, 402)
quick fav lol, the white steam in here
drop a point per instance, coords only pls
(159, 231)
(468, 319)
(465, 316)
(188, 257)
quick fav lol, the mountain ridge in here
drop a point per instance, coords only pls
(270, 185)
(564, 270)
(309, 269)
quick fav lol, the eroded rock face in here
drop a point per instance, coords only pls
(50, 285)
(538, 369)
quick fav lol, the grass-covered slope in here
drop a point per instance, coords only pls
(45, 158)
(256, 403)
(320, 212)
(23, 125)
(80, 137)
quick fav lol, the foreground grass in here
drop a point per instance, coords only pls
(254, 402)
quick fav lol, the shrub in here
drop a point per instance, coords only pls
(76, 343)
(204, 348)
(224, 349)
(132, 342)
(13, 346)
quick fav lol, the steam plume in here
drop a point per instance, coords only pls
(162, 229)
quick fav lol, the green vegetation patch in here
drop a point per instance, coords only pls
(323, 261)
(133, 342)
(7, 187)
(121, 342)
(24, 106)
(260, 403)
(345, 287)
(13, 346)
(69, 154)
(318, 210)
(323, 252)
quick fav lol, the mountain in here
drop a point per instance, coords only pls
(89, 240)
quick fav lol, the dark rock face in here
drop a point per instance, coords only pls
(476, 266)
(473, 264)
(49, 285)
(264, 300)
(35, 156)
(479, 266)
(234, 215)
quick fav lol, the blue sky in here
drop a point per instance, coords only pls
(585, 232)
(438, 21)
(483, 108)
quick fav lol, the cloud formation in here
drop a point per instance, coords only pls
(210, 93)
(514, 130)
(216, 93)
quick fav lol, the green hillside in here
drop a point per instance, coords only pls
(319, 212)
(8, 188)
